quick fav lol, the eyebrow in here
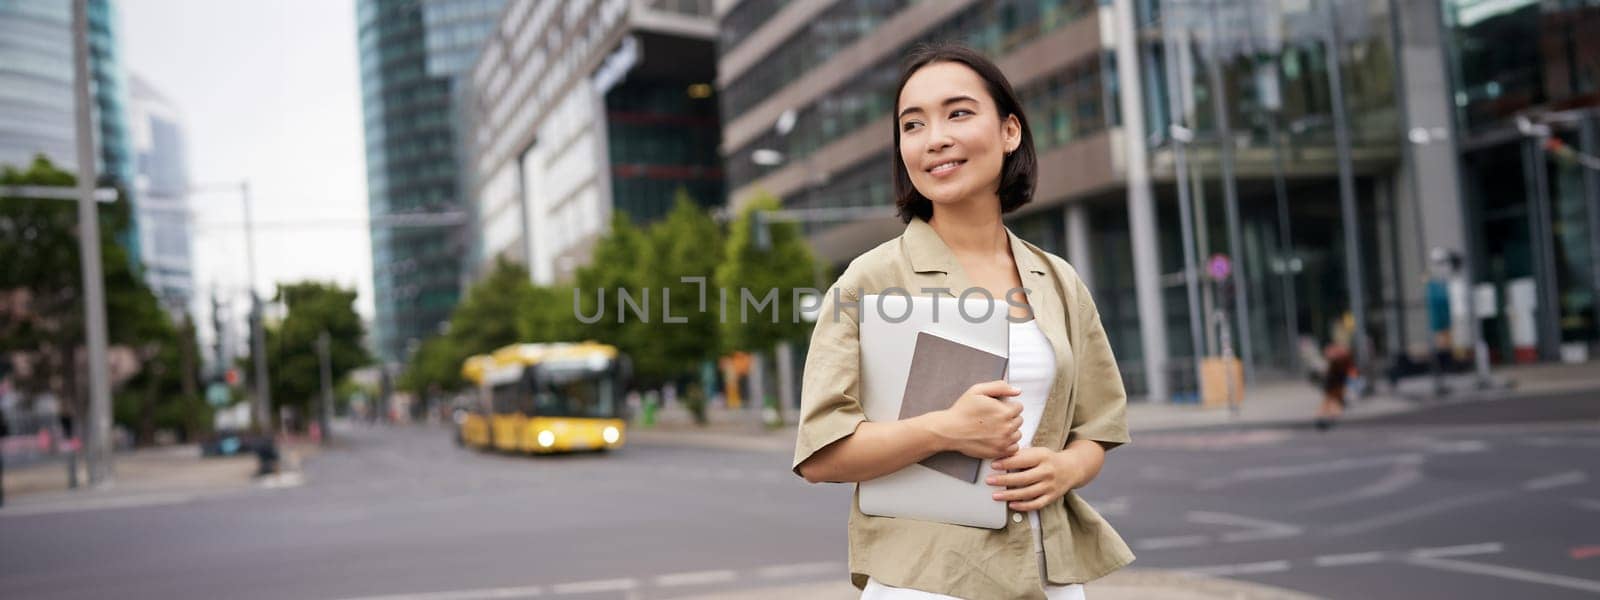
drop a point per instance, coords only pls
(947, 102)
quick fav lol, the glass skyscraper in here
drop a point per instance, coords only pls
(411, 54)
(36, 114)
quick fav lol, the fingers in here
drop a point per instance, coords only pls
(1027, 459)
(1017, 479)
(995, 389)
(1024, 494)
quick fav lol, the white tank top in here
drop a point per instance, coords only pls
(1031, 368)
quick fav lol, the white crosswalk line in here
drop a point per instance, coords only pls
(1512, 573)
(1342, 560)
(1554, 481)
(800, 570)
(598, 585)
(695, 578)
(1463, 550)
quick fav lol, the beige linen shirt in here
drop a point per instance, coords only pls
(1086, 401)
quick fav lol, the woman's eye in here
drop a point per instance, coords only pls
(910, 125)
(959, 112)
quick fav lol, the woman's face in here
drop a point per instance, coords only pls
(952, 139)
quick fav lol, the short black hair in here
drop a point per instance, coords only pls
(1019, 170)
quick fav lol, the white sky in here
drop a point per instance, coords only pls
(270, 93)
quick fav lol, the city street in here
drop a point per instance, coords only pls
(1376, 511)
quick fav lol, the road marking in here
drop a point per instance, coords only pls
(1271, 566)
(1341, 560)
(1398, 479)
(800, 570)
(86, 504)
(1415, 512)
(599, 585)
(483, 594)
(695, 578)
(1587, 503)
(1515, 574)
(1552, 441)
(1163, 543)
(1463, 550)
(1261, 529)
(1555, 481)
(1319, 468)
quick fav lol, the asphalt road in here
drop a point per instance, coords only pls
(1395, 511)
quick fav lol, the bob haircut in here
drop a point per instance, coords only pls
(1019, 171)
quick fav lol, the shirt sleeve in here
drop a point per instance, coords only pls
(1102, 403)
(830, 401)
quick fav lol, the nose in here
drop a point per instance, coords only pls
(937, 139)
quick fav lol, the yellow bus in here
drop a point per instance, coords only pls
(546, 398)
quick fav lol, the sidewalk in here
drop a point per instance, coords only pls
(1272, 404)
(1127, 584)
(147, 476)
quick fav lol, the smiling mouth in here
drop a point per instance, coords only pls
(946, 167)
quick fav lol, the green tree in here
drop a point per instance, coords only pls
(313, 307)
(781, 265)
(486, 318)
(686, 244)
(615, 266)
(504, 308)
(41, 294)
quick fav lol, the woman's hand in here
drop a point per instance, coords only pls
(1042, 476)
(981, 424)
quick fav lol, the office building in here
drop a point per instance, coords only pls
(582, 108)
(412, 54)
(36, 97)
(807, 95)
(162, 181)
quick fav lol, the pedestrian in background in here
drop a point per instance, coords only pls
(965, 157)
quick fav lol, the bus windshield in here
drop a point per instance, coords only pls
(575, 391)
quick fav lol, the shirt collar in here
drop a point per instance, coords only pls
(928, 252)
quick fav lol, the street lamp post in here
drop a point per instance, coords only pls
(1347, 193)
(1181, 136)
(262, 406)
(97, 434)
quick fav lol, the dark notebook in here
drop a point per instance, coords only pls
(941, 370)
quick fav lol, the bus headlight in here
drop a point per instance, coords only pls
(611, 435)
(547, 439)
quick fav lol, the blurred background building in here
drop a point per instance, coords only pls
(412, 52)
(162, 181)
(582, 108)
(36, 114)
(1102, 94)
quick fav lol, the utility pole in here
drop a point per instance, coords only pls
(1180, 137)
(1230, 193)
(258, 342)
(1347, 193)
(97, 431)
(325, 412)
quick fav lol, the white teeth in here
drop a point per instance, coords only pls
(945, 166)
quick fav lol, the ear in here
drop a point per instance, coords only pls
(1011, 133)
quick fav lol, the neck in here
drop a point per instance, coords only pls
(971, 228)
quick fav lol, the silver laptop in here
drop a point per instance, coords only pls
(890, 326)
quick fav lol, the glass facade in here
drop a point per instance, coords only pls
(36, 95)
(1528, 206)
(995, 28)
(662, 138)
(411, 53)
(746, 17)
(36, 82)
